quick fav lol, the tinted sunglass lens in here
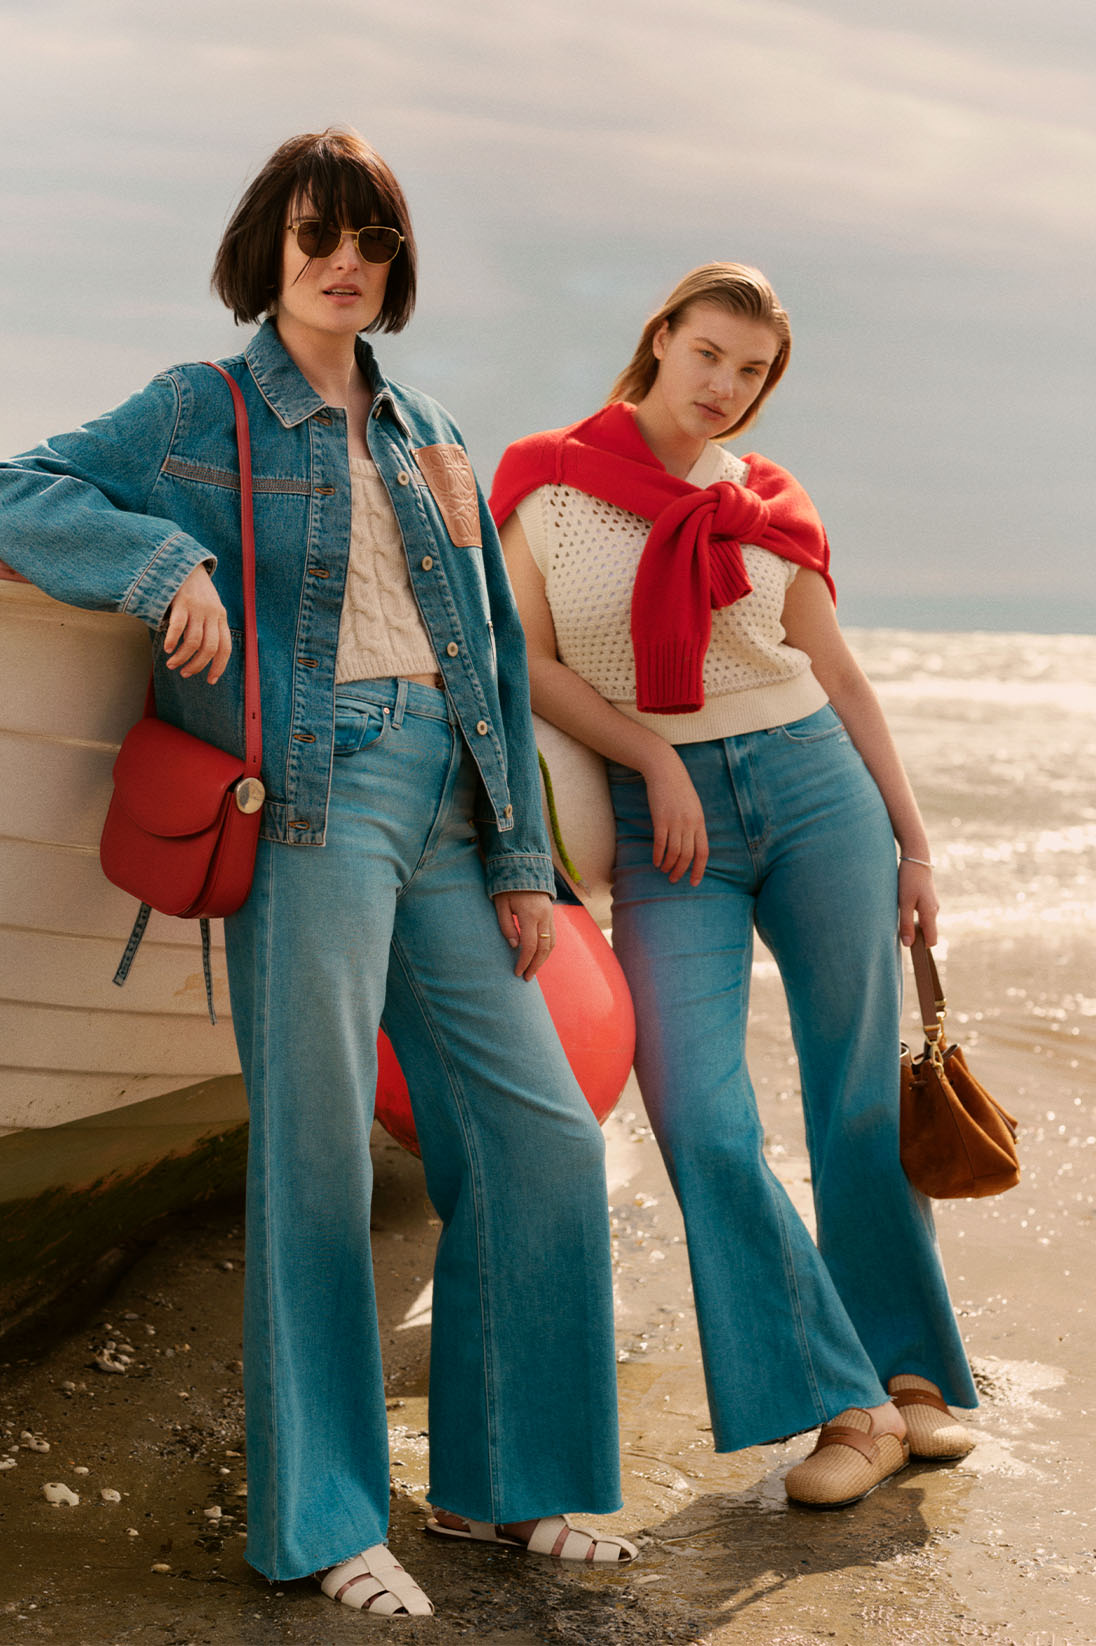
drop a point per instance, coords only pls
(317, 239)
(378, 245)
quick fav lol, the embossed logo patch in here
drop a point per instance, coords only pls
(448, 473)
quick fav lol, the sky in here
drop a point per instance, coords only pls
(918, 183)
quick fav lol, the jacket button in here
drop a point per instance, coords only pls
(403, 478)
(453, 649)
(308, 662)
(299, 823)
(317, 571)
(321, 417)
(481, 727)
(427, 562)
(508, 811)
(303, 737)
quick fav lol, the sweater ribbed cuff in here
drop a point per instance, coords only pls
(670, 677)
(729, 578)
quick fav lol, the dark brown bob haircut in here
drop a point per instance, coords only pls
(346, 183)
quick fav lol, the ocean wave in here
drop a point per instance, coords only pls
(1063, 696)
(1076, 839)
(1028, 665)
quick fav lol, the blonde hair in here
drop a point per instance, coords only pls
(736, 287)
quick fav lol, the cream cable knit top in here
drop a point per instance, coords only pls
(588, 552)
(381, 632)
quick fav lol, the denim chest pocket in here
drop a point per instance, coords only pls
(209, 474)
(358, 726)
(819, 727)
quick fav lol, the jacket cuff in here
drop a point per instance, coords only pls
(153, 591)
(520, 872)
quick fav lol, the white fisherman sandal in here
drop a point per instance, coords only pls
(374, 1581)
(553, 1536)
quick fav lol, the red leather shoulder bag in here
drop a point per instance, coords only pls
(183, 824)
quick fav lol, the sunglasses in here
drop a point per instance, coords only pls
(375, 244)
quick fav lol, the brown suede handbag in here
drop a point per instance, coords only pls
(957, 1142)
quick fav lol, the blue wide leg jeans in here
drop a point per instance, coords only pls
(390, 923)
(802, 850)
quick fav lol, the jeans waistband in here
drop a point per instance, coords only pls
(401, 696)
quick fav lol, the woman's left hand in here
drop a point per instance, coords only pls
(527, 925)
(917, 900)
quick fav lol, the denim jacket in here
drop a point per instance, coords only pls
(116, 514)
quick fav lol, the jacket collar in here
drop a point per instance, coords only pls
(284, 387)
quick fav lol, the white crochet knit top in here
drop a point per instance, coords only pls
(588, 552)
(381, 631)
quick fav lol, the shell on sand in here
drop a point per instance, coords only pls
(57, 1493)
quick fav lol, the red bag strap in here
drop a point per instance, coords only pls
(253, 713)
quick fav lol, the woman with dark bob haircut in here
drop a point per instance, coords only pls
(402, 878)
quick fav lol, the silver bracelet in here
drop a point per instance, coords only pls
(902, 858)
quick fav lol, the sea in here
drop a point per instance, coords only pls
(998, 733)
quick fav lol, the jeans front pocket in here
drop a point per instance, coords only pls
(617, 773)
(358, 725)
(814, 728)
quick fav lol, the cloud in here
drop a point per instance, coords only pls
(588, 115)
(918, 182)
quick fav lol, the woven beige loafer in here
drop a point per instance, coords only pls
(847, 1463)
(931, 1428)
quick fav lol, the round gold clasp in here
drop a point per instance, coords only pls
(249, 794)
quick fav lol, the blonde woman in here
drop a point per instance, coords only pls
(679, 615)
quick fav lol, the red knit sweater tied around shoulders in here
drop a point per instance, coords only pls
(692, 560)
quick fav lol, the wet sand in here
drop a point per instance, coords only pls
(998, 1548)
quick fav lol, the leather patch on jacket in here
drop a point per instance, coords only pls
(448, 473)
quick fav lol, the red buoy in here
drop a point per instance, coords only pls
(590, 1005)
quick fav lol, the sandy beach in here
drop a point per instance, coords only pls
(1000, 1548)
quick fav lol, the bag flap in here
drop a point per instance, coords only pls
(169, 782)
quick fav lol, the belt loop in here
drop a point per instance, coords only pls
(401, 703)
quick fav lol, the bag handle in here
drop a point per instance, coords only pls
(253, 713)
(930, 993)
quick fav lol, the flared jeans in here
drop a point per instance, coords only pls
(802, 851)
(390, 923)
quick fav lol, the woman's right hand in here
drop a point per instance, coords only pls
(917, 900)
(197, 630)
(680, 835)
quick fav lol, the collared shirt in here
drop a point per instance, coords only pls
(115, 515)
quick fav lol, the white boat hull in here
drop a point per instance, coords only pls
(116, 1105)
(71, 1043)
